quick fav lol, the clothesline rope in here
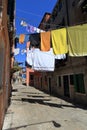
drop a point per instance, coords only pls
(79, 23)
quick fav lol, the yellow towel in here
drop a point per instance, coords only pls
(21, 38)
(45, 41)
(77, 40)
(59, 41)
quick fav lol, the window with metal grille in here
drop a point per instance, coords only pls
(79, 83)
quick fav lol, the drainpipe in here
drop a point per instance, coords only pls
(67, 12)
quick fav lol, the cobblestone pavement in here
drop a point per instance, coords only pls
(31, 109)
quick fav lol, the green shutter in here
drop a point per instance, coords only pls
(79, 83)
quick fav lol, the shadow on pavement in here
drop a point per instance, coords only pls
(42, 102)
(34, 97)
(14, 90)
(32, 93)
(39, 123)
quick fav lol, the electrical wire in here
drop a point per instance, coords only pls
(20, 18)
(79, 23)
(28, 12)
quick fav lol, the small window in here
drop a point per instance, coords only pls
(60, 6)
(83, 5)
(71, 79)
(59, 81)
(45, 78)
(31, 77)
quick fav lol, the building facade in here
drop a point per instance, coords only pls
(43, 22)
(67, 13)
(69, 80)
(6, 41)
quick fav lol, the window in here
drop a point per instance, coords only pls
(79, 83)
(60, 6)
(83, 5)
(45, 78)
(31, 77)
(59, 81)
(71, 79)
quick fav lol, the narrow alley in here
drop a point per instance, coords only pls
(32, 109)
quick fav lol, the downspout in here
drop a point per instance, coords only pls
(67, 12)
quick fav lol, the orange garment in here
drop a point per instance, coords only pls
(21, 38)
(45, 41)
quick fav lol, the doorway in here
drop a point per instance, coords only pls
(50, 90)
(66, 86)
(41, 82)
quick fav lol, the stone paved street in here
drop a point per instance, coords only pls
(31, 109)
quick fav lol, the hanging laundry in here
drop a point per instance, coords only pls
(21, 38)
(45, 41)
(59, 41)
(27, 45)
(32, 29)
(29, 28)
(16, 41)
(29, 57)
(23, 23)
(23, 51)
(38, 30)
(35, 40)
(77, 40)
(26, 38)
(61, 56)
(43, 61)
(16, 51)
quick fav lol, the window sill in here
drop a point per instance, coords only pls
(83, 94)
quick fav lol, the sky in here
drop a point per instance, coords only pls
(32, 12)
